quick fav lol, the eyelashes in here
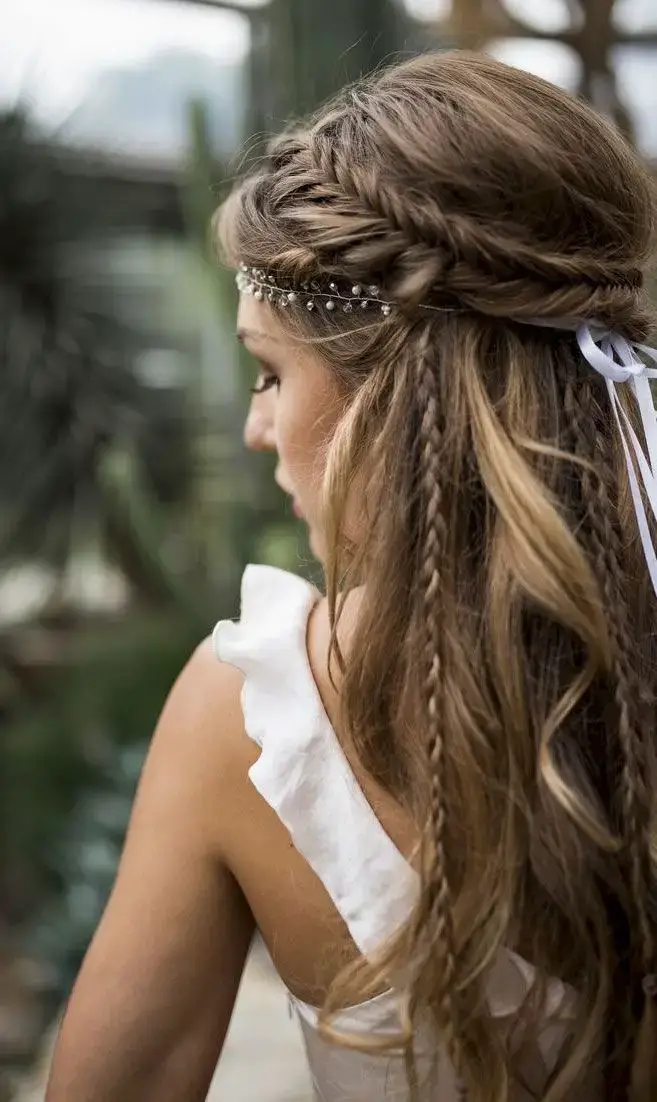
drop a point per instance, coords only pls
(265, 381)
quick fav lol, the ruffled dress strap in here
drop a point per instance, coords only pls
(302, 771)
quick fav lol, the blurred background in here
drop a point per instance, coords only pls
(128, 507)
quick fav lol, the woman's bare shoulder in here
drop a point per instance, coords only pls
(200, 737)
(204, 685)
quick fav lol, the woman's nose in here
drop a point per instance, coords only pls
(259, 425)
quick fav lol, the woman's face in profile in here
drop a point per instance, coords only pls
(293, 413)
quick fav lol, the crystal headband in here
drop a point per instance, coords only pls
(262, 285)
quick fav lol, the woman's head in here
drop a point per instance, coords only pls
(453, 181)
(461, 461)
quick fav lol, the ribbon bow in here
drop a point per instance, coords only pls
(618, 361)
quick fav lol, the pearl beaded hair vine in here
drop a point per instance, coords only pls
(262, 285)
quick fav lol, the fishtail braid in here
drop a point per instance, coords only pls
(438, 895)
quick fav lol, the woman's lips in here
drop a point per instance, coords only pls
(296, 509)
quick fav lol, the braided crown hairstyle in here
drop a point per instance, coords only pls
(500, 680)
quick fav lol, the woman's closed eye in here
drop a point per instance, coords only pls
(265, 381)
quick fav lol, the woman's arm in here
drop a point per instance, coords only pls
(150, 1009)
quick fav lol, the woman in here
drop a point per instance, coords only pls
(432, 791)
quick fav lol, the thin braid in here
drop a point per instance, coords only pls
(627, 684)
(437, 886)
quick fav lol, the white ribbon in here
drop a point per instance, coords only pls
(618, 361)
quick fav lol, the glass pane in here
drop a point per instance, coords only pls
(551, 60)
(635, 15)
(119, 74)
(551, 16)
(636, 72)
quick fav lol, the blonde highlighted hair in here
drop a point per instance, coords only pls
(501, 680)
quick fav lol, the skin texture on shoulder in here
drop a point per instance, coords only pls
(152, 1004)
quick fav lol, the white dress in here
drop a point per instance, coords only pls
(303, 774)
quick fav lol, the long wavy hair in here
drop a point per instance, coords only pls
(500, 682)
